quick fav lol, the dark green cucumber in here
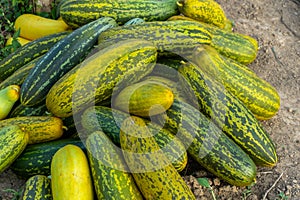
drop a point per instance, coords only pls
(21, 110)
(181, 37)
(239, 47)
(96, 78)
(37, 187)
(108, 120)
(152, 172)
(260, 97)
(171, 36)
(230, 115)
(208, 145)
(62, 57)
(18, 77)
(111, 176)
(27, 53)
(36, 158)
(78, 13)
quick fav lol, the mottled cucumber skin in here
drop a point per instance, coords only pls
(37, 187)
(108, 120)
(155, 177)
(13, 141)
(260, 97)
(230, 115)
(21, 110)
(18, 77)
(60, 59)
(78, 13)
(237, 46)
(70, 174)
(39, 128)
(111, 177)
(28, 52)
(97, 77)
(208, 145)
(36, 158)
(170, 37)
(206, 11)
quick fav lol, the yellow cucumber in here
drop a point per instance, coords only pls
(70, 175)
(208, 11)
(144, 99)
(34, 26)
(39, 128)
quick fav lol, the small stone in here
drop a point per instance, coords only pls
(217, 182)
(294, 181)
(234, 189)
(198, 192)
(252, 197)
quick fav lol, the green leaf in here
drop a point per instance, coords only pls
(204, 182)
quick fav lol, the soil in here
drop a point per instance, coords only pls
(276, 25)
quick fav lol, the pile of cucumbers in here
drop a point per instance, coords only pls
(112, 106)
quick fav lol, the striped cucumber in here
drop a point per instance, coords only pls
(167, 36)
(27, 53)
(21, 110)
(208, 145)
(70, 174)
(237, 46)
(37, 187)
(13, 141)
(94, 80)
(36, 158)
(230, 115)
(111, 177)
(78, 13)
(18, 77)
(153, 174)
(259, 96)
(39, 128)
(208, 11)
(108, 120)
(8, 97)
(61, 58)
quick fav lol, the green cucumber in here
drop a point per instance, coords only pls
(13, 141)
(230, 115)
(108, 120)
(260, 97)
(61, 58)
(36, 158)
(37, 187)
(155, 177)
(208, 145)
(27, 53)
(18, 77)
(95, 79)
(111, 177)
(78, 13)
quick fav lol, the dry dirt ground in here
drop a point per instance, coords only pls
(276, 25)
